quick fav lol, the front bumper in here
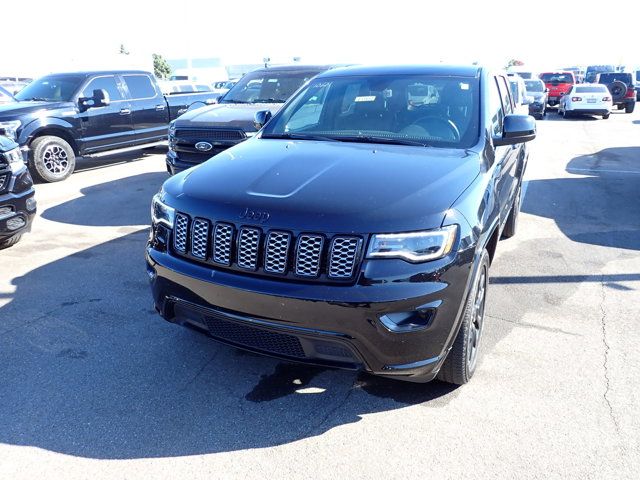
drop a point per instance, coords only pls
(19, 197)
(332, 325)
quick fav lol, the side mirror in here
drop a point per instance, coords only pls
(516, 129)
(100, 98)
(261, 118)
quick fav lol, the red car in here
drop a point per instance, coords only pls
(558, 84)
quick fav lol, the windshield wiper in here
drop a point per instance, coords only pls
(299, 136)
(225, 100)
(268, 100)
(389, 141)
(38, 99)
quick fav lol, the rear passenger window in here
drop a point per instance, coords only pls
(140, 86)
(103, 83)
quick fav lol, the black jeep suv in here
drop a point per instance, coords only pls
(622, 88)
(17, 202)
(356, 229)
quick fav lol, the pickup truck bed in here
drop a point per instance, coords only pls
(61, 116)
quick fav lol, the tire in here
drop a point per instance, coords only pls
(630, 107)
(618, 90)
(605, 116)
(11, 242)
(510, 226)
(53, 159)
(461, 362)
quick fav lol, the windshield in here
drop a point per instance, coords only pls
(267, 87)
(534, 86)
(53, 88)
(415, 110)
(5, 96)
(556, 78)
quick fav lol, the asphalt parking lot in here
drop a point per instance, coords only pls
(94, 384)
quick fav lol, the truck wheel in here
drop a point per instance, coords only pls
(460, 364)
(53, 159)
(9, 243)
(630, 107)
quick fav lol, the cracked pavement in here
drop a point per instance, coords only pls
(94, 385)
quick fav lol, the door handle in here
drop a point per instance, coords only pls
(159, 108)
(125, 111)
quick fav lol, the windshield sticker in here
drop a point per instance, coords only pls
(368, 98)
(464, 86)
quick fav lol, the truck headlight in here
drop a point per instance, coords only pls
(414, 247)
(15, 159)
(161, 212)
(10, 128)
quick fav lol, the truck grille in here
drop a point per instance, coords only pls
(276, 253)
(4, 181)
(211, 134)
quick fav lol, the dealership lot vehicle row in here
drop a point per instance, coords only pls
(96, 385)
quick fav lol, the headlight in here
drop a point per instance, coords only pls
(161, 212)
(10, 128)
(414, 247)
(15, 159)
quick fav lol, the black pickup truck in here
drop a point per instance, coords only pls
(64, 115)
(197, 136)
(356, 229)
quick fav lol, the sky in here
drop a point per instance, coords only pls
(70, 34)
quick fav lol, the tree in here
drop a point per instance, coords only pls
(123, 50)
(161, 67)
(514, 62)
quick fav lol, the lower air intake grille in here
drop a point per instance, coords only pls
(246, 336)
(180, 233)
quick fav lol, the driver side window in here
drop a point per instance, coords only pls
(103, 83)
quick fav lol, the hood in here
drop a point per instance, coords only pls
(10, 111)
(226, 115)
(332, 187)
(6, 144)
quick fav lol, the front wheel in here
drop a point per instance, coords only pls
(9, 243)
(53, 159)
(461, 362)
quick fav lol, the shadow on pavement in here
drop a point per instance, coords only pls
(89, 369)
(598, 207)
(126, 201)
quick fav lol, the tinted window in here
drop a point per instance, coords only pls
(590, 89)
(52, 88)
(267, 87)
(140, 86)
(612, 77)
(414, 109)
(103, 83)
(507, 106)
(495, 108)
(556, 78)
(534, 86)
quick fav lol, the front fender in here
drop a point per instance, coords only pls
(39, 124)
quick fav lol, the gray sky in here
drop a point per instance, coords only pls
(75, 34)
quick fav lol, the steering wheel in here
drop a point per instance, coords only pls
(439, 127)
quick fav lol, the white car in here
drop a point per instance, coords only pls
(519, 94)
(586, 99)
